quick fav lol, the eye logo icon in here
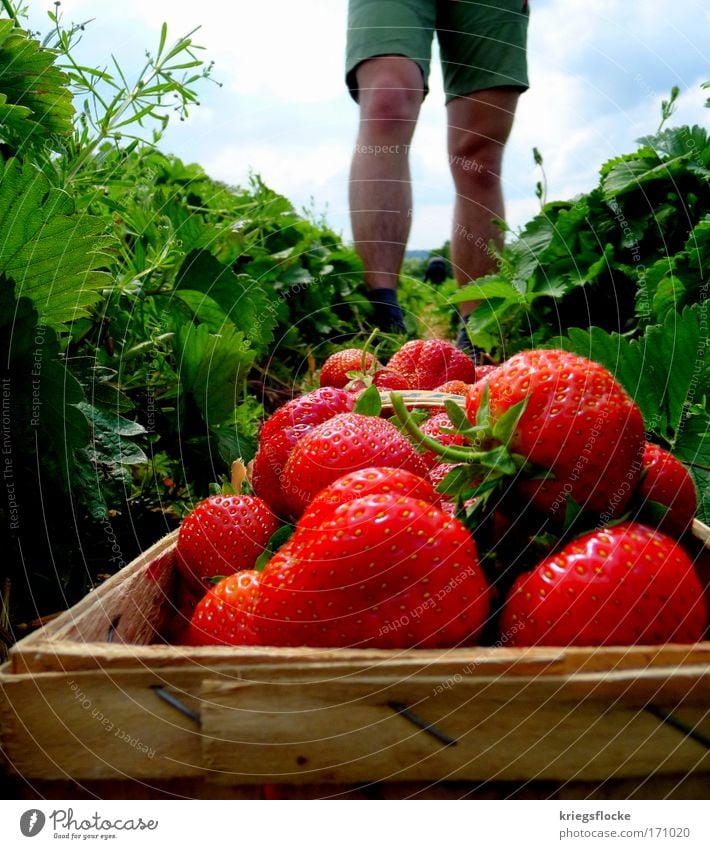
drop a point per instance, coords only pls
(32, 822)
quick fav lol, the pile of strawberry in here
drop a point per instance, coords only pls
(530, 512)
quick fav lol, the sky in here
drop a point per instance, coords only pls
(598, 72)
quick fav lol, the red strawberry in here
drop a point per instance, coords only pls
(336, 367)
(622, 585)
(373, 479)
(223, 534)
(437, 426)
(225, 615)
(578, 424)
(666, 481)
(383, 571)
(282, 431)
(386, 378)
(456, 387)
(345, 443)
(309, 409)
(438, 472)
(383, 378)
(429, 363)
(483, 371)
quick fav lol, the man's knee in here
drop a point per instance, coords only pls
(390, 91)
(476, 161)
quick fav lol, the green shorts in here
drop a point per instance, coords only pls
(482, 44)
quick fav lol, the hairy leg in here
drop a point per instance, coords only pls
(390, 95)
(478, 128)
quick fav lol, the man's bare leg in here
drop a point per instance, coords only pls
(479, 126)
(390, 95)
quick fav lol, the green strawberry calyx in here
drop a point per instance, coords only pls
(482, 467)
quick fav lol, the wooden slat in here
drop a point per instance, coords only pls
(97, 725)
(348, 733)
(130, 607)
(48, 655)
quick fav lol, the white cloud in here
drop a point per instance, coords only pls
(306, 171)
(277, 49)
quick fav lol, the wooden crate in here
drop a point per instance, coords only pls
(91, 698)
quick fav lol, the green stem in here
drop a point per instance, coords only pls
(446, 452)
(11, 13)
(366, 348)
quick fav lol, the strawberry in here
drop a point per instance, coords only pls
(335, 370)
(621, 585)
(224, 615)
(223, 534)
(386, 378)
(383, 570)
(282, 431)
(383, 378)
(345, 443)
(373, 479)
(429, 363)
(456, 387)
(309, 409)
(666, 482)
(482, 371)
(577, 423)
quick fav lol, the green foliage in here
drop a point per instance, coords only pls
(618, 257)
(35, 104)
(51, 253)
(667, 372)
(620, 275)
(152, 315)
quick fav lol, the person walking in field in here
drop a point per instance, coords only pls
(484, 63)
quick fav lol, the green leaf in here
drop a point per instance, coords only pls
(212, 368)
(693, 448)
(484, 291)
(456, 480)
(369, 403)
(506, 425)
(110, 445)
(461, 424)
(205, 309)
(60, 416)
(35, 99)
(279, 538)
(664, 371)
(483, 414)
(237, 439)
(677, 141)
(457, 415)
(50, 252)
(243, 299)
(627, 172)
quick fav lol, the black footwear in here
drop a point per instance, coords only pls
(388, 315)
(464, 343)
